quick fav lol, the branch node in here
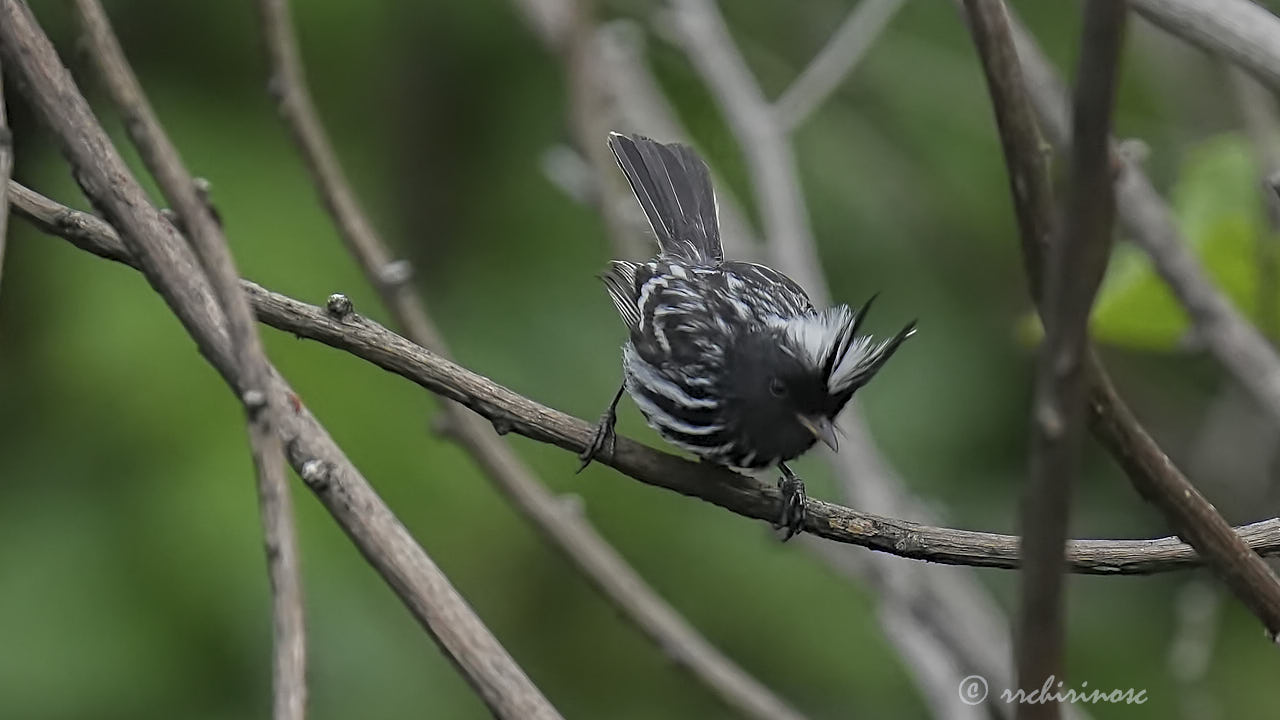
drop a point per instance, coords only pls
(339, 306)
(572, 503)
(315, 473)
(1133, 151)
(1273, 182)
(276, 87)
(254, 401)
(443, 425)
(395, 273)
(502, 423)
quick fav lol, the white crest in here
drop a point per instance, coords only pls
(826, 340)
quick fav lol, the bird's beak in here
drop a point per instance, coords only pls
(822, 429)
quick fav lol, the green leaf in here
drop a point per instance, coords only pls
(1217, 204)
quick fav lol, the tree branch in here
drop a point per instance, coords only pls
(1242, 32)
(289, 663)
(837, 59)
(1152, 473)
(171, 268)
(1076, 265)
(566, 530)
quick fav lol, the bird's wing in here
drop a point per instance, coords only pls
(768, 288)
(620, 283)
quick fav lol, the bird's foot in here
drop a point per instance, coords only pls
(604, 437)
(791, 520)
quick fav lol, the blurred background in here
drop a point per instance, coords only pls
(132, 580)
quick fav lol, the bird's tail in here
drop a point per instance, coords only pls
(673, 186)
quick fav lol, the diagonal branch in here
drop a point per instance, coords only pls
(568, 531)
(1245, 33)
(1151, 472)
(1076, 264)
(837, 59)
(174, 272)
(740, 494)
(289, 674)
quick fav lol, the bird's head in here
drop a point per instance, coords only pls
(794, 378)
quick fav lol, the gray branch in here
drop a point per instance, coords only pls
(1240, 31)
(836, 61)
(175, 273)
(289, 662)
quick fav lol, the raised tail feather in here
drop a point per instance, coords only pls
(673, 186)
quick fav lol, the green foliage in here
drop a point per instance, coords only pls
(1218, 205)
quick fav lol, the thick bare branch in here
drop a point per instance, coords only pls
(567, 530)
(171, 268)
(739, 494)
(289, 674)
(837, 59)
(1072, 274)
(1153, 475)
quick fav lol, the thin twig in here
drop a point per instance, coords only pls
(1151, 472)
(640, 106)
(837, 59)
(592, 115)
(740, 494)
(568, 531)
(1245, 33)
(6, 170)
(174, 272)
(289, 662)
(778, 195)
(1071, 277)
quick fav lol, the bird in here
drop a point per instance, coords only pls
(725, 359)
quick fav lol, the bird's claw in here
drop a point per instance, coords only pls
(603, 437)
(794, 498)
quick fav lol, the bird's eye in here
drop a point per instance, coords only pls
(777, 388)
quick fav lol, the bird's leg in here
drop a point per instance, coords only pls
(791, 521)
(604, 435)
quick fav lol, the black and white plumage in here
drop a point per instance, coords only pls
(727, 360)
